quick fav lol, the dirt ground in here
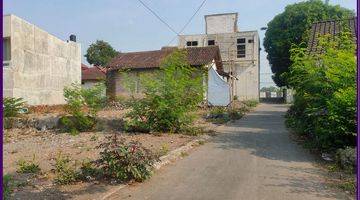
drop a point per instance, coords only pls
(43, 147)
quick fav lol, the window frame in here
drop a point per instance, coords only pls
(193, 43)
(241, 47)
(6, 50)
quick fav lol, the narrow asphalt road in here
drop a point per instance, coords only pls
(252, 158)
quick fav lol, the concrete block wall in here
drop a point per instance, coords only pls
(41, 64)
(221, 23)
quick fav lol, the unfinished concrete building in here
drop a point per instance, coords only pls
(36, 64)
(240, 52)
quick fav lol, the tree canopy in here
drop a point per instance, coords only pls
(270, 89)
(292, 27)
(100, 53)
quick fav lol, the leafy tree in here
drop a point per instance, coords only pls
(292, 27)
(270, 89)
(100, 53)
(325, 102)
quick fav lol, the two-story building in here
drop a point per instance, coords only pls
(240, 52)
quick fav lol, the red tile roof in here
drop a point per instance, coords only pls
(332, 27)
(196, 56)
(92, 73)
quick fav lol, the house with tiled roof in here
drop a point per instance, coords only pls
(91, 75)
(330, 27)
(146, 62)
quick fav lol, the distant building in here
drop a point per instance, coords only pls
(36, 64)
(90, 76)
(239, 50)
(147, 62)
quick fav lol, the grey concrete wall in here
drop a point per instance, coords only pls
(88, 84)
(41, 64)
(128, 83)
(221, 23)
(245, 69)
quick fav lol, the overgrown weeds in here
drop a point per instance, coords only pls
(169, 97)
(12, 106)
(163, 150)
(324, 108)
(325, 101)
(65, 170)
(221, 115)
(250, 103)
(124, 161)
(82, 105)
(28, 166)
(7, 186)
(89, 170)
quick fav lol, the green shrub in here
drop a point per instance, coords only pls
(12, 106)
(83, 105)
(125, 161)
(169, 96)
(28, 166)
(7, 186)
(89, 170)
(251, 103)
(325, 100)
(218, 111)
(235, 114)
(346, 159)
(77, 123)
(65, 171)
(221, 115)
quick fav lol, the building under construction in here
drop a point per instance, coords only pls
(240, 52)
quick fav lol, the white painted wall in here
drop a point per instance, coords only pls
(41, 64)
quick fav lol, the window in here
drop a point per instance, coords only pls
(211, 42)
(6, 49)
(191, 43)
(241, 47)
(241, 40)
(250, 41)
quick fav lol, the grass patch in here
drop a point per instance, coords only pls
(7, 186)
(183, 154)
(28, 167)
(163, 150)
(65, 172)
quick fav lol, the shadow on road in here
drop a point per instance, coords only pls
(263, 135)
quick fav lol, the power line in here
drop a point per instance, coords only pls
(157, 16)
(188, 22)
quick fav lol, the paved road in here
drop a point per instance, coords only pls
(253, 158)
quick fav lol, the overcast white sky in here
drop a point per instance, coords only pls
(128, 26)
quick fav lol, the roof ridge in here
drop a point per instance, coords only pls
(150, 51)
(334, 20)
